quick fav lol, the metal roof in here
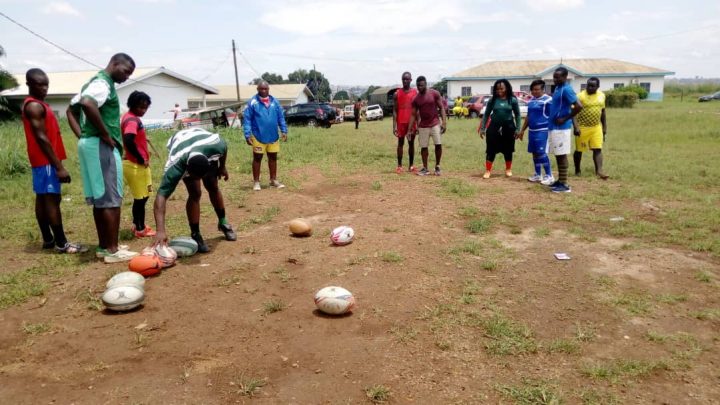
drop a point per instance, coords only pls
(227, 92)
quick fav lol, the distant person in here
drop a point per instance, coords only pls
(503, 112)
(46, 153)
(357, 107)
(94, 116)
(425, 113)
(261, 121)
(136, 163)
(402, 110)
(537, 121)
(176, 111)
(458, 107)
(590, 127)
(197, 157)
(564, 107)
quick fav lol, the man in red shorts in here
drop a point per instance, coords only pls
(402, 110)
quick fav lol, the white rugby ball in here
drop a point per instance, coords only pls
(166, 254)
(126, 278)
(334, 300)
(342, 235)
(123, 297)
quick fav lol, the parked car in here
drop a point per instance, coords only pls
(475, 105)
(522, 103)
(710, 97)
(373, 112)
(349, 112)
(311, 114)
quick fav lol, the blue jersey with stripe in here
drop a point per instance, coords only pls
(562, 100)
(539, 112)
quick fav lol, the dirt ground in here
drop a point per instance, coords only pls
(205, 336)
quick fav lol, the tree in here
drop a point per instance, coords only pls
(341, 95)
(271, 78)
(441, 87)
(315, 81)
(7, 81)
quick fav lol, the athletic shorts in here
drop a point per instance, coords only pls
(45, 180)
(138, 178)
(262, 148)
(560, 141)
(426, 133)
(102, 173)
(538, 142)
(590, 138)
(402, 129)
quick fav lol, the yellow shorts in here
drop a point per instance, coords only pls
(590, 138)
(138, 178)
(262, 148)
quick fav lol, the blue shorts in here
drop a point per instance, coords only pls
(538, 141)
(45, 180)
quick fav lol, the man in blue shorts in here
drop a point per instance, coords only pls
(94, 117)
(564, 107)
(537, 121)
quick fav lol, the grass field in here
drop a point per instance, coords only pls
(482, 314)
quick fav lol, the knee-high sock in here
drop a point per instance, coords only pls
(537, 161)
(545, 161)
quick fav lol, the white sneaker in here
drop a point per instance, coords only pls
(256, 186)
(120, 256)
(275, 183)
(547, 180)
(535, 178)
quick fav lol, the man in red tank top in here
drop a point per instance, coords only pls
(402, 110)
(46, 152)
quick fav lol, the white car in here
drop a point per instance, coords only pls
(373, 112)
(521, 103)
(349, 112)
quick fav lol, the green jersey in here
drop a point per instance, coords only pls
(101, 88)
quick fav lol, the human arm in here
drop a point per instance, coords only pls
(282, 124)
(575, 106)
(413, 119)
(483, 122)
(247, 123)
(576, 127)
(129, 130)
(515, 104)
(395, 112)
(443, 115)
(169, 182)
(222, 169)
(526, 123)
(159, 213)
(35, 112)
(73, 118)
(604, 124)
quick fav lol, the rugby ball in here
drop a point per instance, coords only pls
(334, 300)
(123, 297)
(300, 227)
(342, 235)
(166, 254)
(126, 278)
(145, 265)
(184, 246)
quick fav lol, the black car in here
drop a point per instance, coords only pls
(311, 114)
(710, 97)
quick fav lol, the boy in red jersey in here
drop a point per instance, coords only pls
(402, 110)
(46, 152)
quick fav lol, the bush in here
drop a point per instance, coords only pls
(621, 99)
(641, 92)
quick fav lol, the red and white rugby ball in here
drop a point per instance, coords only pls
(342, 235)
(334, 300)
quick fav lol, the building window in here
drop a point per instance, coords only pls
(466, 91)
(645, 86)
(583, 86)
(618, 85)
(525, 88)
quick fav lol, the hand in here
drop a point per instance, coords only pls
(283, 137)
(111, 142)
(560, 121)
(443, 128)
(63, 175)
(395, 131)
(482, 133)
(160, 238)
(518, 135)
(223, 173)
(604, 135)
(146, 163)
(248, 141)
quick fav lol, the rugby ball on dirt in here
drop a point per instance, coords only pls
(184, 246)
(166, 254)
(300, 227)
(342, 235)
(145, 265)
(126, 278)
(334, 300)
(123, 297)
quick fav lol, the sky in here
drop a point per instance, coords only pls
(359, 42)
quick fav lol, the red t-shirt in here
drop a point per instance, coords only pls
(404, 104)
(427, 105)
(52, 130)
(131, 124)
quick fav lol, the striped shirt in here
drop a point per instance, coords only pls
(181, 147)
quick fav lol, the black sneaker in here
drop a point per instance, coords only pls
(202, 246)
(228, 231)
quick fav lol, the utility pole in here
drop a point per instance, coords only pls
(317, 86)
(237, 83)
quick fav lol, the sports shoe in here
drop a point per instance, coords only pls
(547, 180)
(438, 172)
(256, 186)
(228, 231)
(554, 184)
(423, 172)
(119, 256)
(275, 183)
(508, 173)
(413, 169)
(399, 170)
(202, 246)
(561, 188)
(101, 253)
(535, 178)
(71, 247)
(603, 176)
(146, 232)
(486, 175)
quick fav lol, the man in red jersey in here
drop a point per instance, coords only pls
(46, 152)
(402, 110)
(425, 112)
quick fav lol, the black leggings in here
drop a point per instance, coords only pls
(500, 139)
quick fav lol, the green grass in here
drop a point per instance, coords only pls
(703, 277)
(567, 346)
(634, 303)
(706, 314)
(623, 370)
(35, 328)
(391, 257)
(19, 286)
(457, 187)
(507, 337)
(272, 306)
(378, 394)
(532, 392)
(481, 225)
(468, 212)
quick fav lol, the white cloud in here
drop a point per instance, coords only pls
(611, 38)
(62, 8)
(554, 5)
(123, 20)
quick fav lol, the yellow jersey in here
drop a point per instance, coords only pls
(593, 104)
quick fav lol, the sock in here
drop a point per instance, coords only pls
(220, 212)
(563, 171)
(194, 228)
(60, 239)
(45, 231)
(411, 152)
(545, 161)
(538, 164)
(508, 165)
(488, 165)
(138, 213)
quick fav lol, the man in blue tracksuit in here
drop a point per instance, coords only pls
(261, 120)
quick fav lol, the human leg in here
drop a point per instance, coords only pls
(399, 151)
(411, 152)
(192, 209)
(598, 160)
(43, 222)
(577, 159)
(210, 182)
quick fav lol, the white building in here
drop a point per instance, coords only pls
(612, 74)
(165, 88)
(286, 94)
